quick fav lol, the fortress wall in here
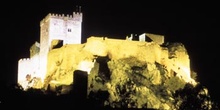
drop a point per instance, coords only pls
(35, 62)
(96, 46)
(117, 49)
(25, 66)
(72, 55)
(145, 51)
(28, 66)
(124, 49)
(66, 59)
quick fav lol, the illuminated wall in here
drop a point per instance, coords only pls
(60, 27)
(28, 66)
(54, 27)
(153, 53)
(24, 68)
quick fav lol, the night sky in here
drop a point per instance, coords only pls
(193, 24)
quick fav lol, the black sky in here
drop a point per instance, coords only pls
(193, 24)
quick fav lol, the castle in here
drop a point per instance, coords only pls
(57, 30)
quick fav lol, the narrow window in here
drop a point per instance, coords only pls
(69, 30)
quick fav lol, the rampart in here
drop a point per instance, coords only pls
(146, 51)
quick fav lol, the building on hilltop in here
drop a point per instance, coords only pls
(57, 30)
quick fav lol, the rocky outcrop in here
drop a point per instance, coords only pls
(131, 74)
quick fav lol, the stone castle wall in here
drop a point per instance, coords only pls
(60, 27)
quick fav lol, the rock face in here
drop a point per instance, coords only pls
(123, 73)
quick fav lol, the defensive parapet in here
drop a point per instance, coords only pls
(24, 68)
(77, 16)
(53, 15)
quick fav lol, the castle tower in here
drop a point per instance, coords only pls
(58, 30)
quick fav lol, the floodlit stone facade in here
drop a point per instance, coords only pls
(57, 30)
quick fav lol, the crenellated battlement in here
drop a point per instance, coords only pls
(77, 13)
(24, 59)
(75, 16)
(60, 16)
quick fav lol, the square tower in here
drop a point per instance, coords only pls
(58, 29)
(55, 28)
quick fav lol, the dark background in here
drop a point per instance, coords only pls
(193, 24)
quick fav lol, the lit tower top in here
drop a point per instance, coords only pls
(57, 28)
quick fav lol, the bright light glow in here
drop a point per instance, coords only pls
(187, 72)
(86, 66)
(187, 76)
